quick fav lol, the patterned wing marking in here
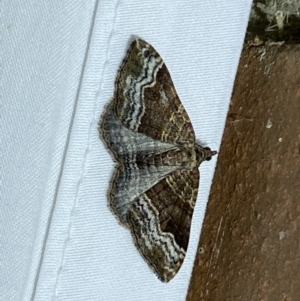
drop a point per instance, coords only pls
(126, 144)
(128, 182)
(146, 100)
(160, 221)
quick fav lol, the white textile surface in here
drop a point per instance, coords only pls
(59, 240)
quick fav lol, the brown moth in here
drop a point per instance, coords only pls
(155, 182)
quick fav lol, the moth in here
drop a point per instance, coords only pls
(155, 182)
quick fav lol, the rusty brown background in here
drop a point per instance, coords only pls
(249, 247)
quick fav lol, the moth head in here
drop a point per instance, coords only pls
(203, 153)
(209, 153)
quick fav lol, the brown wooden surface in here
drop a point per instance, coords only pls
(250, 242)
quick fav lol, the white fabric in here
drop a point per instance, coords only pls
(59, 241)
